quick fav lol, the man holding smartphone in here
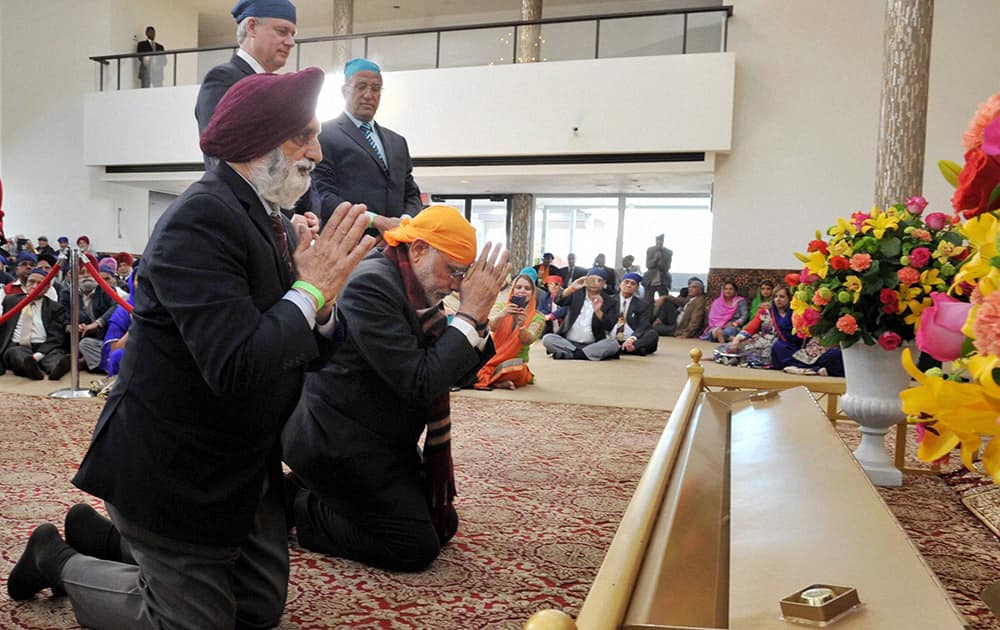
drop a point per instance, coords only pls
(589, 320)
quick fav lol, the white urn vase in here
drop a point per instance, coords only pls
(875, 377)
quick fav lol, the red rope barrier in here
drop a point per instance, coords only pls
(89, 266)
(42, 288)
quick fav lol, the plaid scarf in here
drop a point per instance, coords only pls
(439, 472)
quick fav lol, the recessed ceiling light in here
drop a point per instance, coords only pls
(463, 181)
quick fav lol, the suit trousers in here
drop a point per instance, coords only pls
(557, 345)
(182, 585)
(379, 540)
(14, 356)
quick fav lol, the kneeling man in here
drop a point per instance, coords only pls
(361, 489)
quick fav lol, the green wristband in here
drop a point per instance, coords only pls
(311, 289)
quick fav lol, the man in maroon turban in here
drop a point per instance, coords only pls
(230, 311)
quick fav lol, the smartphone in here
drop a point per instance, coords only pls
(519, 300)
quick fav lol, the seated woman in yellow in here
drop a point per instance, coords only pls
(515, 324)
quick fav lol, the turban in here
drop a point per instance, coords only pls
(531, 273)
(124, 257)
(44, 238)
(27, 257)
(47, 257)
(264, 9)
(443, 228)
(38, 271)
(261, 112)
(597, 271)
(555, 280)
(84, 238)
(108, 264)
(63, 239)
(633, 276)
(359, 65)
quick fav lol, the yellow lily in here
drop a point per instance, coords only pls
(879, 222)
(854, 285)
(916, 308)
(842, 229)
(815, 262)
(931, 278)
(963, 412)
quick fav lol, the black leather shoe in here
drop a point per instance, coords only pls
(60, 368)
(31, 369)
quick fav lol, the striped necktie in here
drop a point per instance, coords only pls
(278, 226)
(366, 128)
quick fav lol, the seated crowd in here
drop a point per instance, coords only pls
(36, 342)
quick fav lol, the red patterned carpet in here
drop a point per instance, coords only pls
(542, 487)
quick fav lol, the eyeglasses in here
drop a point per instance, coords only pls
(374, 88)
(457, 274)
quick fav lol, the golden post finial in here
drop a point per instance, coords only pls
(549, 620)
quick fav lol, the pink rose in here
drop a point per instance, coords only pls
(936, 220)
(916, 205)
(991, 137)
(889, 340)
(940, 333)
(919, 257)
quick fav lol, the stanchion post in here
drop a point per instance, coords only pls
(74, 391)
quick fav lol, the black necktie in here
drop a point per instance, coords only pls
(279, 233)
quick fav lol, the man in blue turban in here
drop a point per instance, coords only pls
(364, 162)
(265, 32)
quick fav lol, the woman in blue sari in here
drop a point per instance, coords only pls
(118, 325)
(767, 341)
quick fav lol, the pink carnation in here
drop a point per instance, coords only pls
(810, 316)
(915, 205)
(991, 138)
(986, 326)
(847, 324)
(889, 340)
(860, 262)
(908, 275)
(819, 299)
(936, 220)
(919, 257)
(987, 112)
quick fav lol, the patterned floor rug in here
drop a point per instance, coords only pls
(542, 488)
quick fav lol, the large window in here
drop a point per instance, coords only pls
(588, 226)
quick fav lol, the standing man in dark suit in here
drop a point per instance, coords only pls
(265, 33)
(364, 162)
(572, 272)
(186, 453)
(151, 68)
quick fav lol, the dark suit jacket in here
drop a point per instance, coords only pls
(214, 368)
(215, 85)
(53, 317)
(153, 64)
(351, 171)
(637, 317)
(353, 437)
(600, 327)
(570, 274)
(101, 303)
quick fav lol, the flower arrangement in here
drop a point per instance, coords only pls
(960, 404)
(875, 275)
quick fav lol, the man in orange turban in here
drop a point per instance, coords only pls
(360, 488)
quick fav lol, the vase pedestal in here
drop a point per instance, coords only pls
(875, 377)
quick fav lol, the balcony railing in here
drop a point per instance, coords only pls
(644, 33)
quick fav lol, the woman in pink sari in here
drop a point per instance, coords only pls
(727, 314)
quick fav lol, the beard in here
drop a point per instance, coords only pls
(280, 181)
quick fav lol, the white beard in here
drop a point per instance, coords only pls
(280, 181)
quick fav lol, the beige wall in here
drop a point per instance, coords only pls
(808, 77)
